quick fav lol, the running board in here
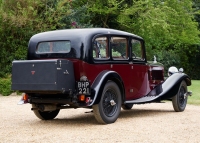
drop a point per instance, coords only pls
(147, 99)
(144, 99)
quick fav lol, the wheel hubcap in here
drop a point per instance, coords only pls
(109, 103)
(112, 102)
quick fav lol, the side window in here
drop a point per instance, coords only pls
(137, 52)
(119, 46)
(100, 48)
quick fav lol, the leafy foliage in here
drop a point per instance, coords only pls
(105, 13)
(194, 65)
(79, 16)
(21, 19)
(5, 86)
(161, 24)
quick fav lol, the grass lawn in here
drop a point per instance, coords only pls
(195, 88)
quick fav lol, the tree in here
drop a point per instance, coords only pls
(161, 24)
(105, 12)
(79, 17)
(21, 19)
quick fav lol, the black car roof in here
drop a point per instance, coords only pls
(79, 33)
(80, 40)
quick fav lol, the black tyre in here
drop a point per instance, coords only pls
(179, 101)
(46, 115)
(127, 106)
(109, 107)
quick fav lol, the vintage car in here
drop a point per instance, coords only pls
(95, 68)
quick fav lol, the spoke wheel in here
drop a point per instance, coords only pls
(46, 115)
(108, 109)
(179, 101)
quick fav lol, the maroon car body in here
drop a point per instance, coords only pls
(103, 69)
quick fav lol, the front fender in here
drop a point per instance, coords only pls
(170, 86)
(100, 82)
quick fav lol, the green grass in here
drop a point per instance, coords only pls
(195, 88)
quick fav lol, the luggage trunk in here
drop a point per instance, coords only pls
(37, 76)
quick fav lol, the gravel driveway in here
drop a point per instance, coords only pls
(148, 123)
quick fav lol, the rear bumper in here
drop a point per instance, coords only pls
(56, 99)
(41, 100)
(46, 99)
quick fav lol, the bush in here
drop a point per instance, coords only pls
(194, 65)
(5, 86)
(21, 19)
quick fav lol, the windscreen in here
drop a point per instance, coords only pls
(53, 47)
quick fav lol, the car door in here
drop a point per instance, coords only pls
(139, 70)
(119, 47)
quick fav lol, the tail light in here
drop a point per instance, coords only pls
(24, 99)
(81, 97)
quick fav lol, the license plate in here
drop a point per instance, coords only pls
(83, 87)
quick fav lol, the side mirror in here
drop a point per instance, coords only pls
(181, 70)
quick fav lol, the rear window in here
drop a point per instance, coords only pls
(54, 47)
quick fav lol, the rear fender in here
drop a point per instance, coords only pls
(100, 82)
(170, 87)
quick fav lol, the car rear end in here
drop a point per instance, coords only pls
(44, 81)
(49, 77)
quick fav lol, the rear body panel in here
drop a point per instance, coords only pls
(43, 76)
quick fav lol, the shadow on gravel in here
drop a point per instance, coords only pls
(79, 119)
(135, 113)
(89, 119)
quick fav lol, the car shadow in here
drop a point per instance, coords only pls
(89, 119)
(64, 120)
(135, 113)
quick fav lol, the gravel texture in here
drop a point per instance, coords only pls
(148, 123)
